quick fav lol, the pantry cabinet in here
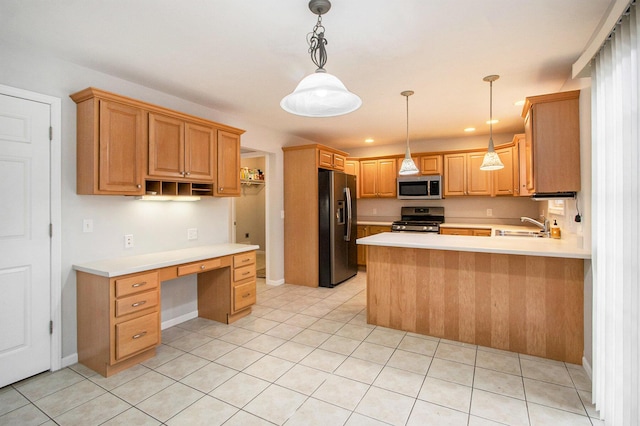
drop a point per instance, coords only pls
(130, 147)
(552, 147)
(378, 178)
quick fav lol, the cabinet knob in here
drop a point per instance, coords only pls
(220, 189)
(202, 267)
(138, 186)
(188, 173)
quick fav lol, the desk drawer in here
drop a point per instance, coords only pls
(243, 273)
(244, 259)
(205, 265)
(244, 295)
(137, 335)
(136, 284)
(136, 303)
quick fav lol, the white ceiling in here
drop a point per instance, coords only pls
(242, 56)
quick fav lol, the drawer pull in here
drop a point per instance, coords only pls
(246, 273)
(139, 335)
(135, 305)
(245, 260)
(136, 285)
(244, 296)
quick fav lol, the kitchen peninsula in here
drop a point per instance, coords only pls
(514, 293)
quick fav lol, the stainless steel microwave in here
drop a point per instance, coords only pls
(419, 187)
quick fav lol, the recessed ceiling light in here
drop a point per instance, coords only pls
(368, 140)
(470, 129)
(519, 103)
(494, 121)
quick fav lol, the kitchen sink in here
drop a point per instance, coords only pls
(511, 233)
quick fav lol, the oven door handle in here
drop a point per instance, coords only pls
(347, 193)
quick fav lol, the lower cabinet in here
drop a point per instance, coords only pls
(118, 320)
(475, 232)
(365, 231)
(244, 281)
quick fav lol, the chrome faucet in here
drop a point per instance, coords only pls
(544, 225)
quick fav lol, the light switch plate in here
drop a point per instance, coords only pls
(87, 225)
(192, 234)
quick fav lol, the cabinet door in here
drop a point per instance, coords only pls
(368, 178)
(362, 250)
(387, 173)
(228, 161)
(325, 159)
(478, 181)
(338, 162)
(352, 167)
(456, 231)
(503, 179)
(122, 142)
(200, 152)
(454, 175)
(166, 146)
(430, 165)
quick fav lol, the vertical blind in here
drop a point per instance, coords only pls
(616, 215)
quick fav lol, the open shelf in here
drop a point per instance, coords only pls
(162, 187)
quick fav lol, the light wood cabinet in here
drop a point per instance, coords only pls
(378, 178)
(180, 149)
(301, 219)
(430, 164)
(228, 157)
(118, 320)
(474, 232)
(352, 167)
(462, 175)
(330, 160)
(130, 147)
(365, 231)
(552, 147)
(111, 143)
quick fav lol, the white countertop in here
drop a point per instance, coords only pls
(145, 262)
(529, 246)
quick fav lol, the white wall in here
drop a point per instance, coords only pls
(155, 226)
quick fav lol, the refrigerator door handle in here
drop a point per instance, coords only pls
(347, 193)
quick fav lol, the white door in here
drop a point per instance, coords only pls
(25, 245)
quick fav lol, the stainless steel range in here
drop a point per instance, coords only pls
(419, 219)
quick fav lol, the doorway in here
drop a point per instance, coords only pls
(250, 207)
(30, 229)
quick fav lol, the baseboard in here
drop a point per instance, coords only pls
(69, 360)
(276, 282)
(587, 368)
(178, 320)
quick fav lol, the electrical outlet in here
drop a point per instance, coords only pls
(489, 212)
(87, 225)
(128, 241)
(192, 234)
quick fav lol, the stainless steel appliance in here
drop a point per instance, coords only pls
(338, 255)
(419, 187)
(419, 219)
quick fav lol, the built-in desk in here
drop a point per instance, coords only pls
(119, 303)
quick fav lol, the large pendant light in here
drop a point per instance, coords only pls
(320, 94)
(408, 166)
(491, 159)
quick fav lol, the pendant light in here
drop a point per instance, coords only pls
(320, 94)
(408, 166)
(491, 159)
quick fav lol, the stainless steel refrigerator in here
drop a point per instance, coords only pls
(338, 253)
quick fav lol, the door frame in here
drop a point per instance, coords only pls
(55, 213)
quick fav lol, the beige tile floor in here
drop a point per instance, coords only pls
(306, 356)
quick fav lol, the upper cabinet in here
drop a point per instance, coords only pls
(129, 147)
(228, 164)
(378, 178)
(352, 167)
(462, 174)
(111, 148)
(428, 164)
(552, 147)
(180, 149)
(330, 160)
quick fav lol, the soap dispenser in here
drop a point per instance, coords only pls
(555, 230)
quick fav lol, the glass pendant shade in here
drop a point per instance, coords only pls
(320, 95)
(491, 159)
